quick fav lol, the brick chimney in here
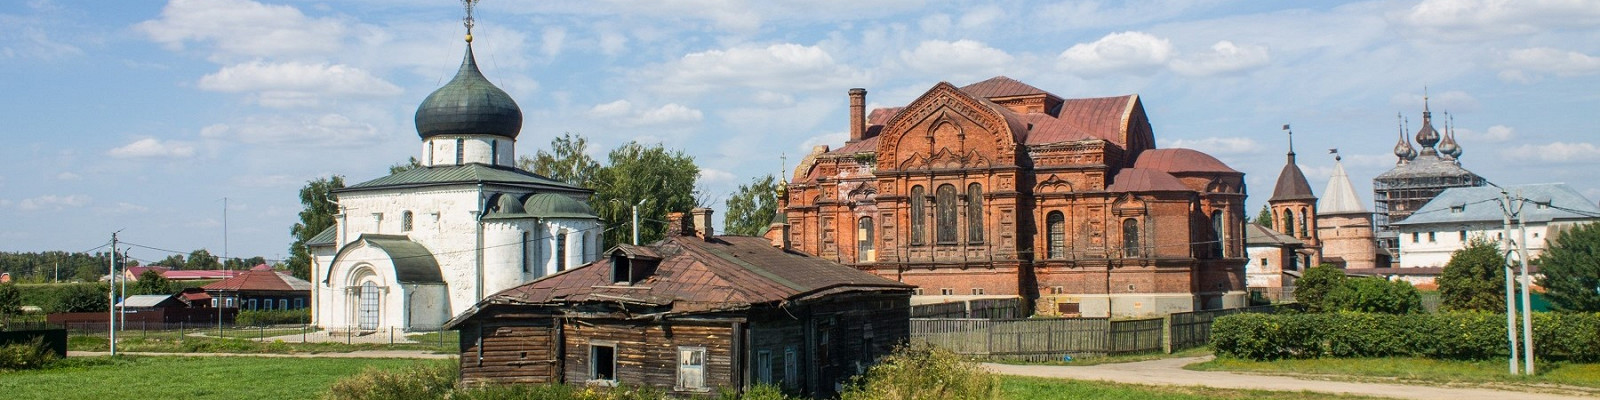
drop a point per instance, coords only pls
(858, 114)
(677, 225)
(702, 222)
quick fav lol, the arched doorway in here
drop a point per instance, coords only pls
(367, 309)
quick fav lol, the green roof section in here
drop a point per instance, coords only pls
(324, 238)
(463, 174)
(412, 262)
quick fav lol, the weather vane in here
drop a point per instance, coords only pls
(468, 22)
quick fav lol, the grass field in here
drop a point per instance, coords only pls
(1015, 387)
(1419, 370)
(187, 378)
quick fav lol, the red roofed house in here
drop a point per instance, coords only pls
(688, 314)
(261, 288)
(1000, 189)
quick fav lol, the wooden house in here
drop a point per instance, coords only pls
(688, 314)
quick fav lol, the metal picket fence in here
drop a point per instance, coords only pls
(435, 339)
(1046, 339)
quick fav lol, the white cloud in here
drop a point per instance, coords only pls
(68, 176)
(1473, 19)
(1556, 152)
(125, 208)
(710, 176)
(829, 139)
(1495, 134)
(1134, 53)
(954, 60)
(779, 67)
(1225, 57)
(1215, 145)
(613, 109)
(552, 41)
(243, 28)
(1454, 100)
(297, 84)
(153, 148)
(982, 16)
(303, 130)
(613, 43)
(1549, 61)
(621, 112)
(54, 202)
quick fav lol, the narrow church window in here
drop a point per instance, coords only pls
(525, 244)
(461, 150)
(1303, 224)
(405, 221)
(1288, 222)
(864, 249)
(1130, 237)
(975, 213)
(494, 152)
(1216, 233)
(561, 252)
(919, 215)
(945, 206)
(1056, 232)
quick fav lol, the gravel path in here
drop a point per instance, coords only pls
(1170, 372)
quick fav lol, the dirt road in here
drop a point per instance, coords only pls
(1171, 372)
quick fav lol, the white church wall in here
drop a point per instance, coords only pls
(426, 306)
(581, 245)
(507, 261)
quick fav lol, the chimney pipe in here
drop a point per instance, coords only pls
(676, 225)
(702, 222)
(858, 116)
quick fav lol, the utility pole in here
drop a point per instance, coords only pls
(636, 222)
(1511, 303)
(1527, 305)
(122, 307)
(111, 296)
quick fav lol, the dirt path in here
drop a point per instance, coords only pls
(1170, 372)
(353, 354)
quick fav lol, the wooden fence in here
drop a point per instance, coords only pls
(980, 308)
(1047, 339)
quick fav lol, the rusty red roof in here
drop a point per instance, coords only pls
(697, 275)
(261, 280)
(1145, 180)
(1104, 117)
(1181, 160)
(1001, 86)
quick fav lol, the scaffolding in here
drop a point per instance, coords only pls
(1401, 191)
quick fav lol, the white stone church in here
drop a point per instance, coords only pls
(412, 249)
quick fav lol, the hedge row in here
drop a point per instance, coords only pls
(1453, 336)
(273, 317)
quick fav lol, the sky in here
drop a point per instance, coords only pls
(151, 118)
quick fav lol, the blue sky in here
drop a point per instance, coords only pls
(143, 116)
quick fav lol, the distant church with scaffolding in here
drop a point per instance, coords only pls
(1417, 178)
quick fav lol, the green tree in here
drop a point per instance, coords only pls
(752, 206)
(1264, 218)
(1474, 280)
(664, 180)
(174, 261)
(202, 259)
(10, 299)
(1312, 288)
(82, 298)
(1571, 269)
(567, 161)
(151, 282)
(1373, 295)
(410, 164)
(317, 199)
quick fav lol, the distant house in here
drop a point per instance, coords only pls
(1273, 257)
(133, 273)
(1457, 216)
(261, 288)
(688, 314)
(149, 302)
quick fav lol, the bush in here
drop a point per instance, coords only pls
(1451, 336)
(923, 372)
(82, 298)
(31, 355)
(1373, 295)
(1315, 285)
(433, 381)
(273, 317)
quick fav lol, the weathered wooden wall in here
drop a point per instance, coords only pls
(647, 354)
(511, 351)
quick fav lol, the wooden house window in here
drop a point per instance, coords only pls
(691, 368)
(1415, 237)
(283, 304)
(975, 213)
(864, 237)
(602, 362)
(1432, 237)
(1464, 236)
(917, 291)
(1056, 232)
(919, 215)
(299, 303)
(252, 303)
(1130, 237)
(791, 368)
(944, 205)
(764, 367)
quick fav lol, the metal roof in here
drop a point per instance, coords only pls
(413, 263)
(1257, 235)
(1482, 204)
(468, 105)
(463, 174)
(1426, 166)
(324, 238)
(144, 300)
(1340, 197)
(1292, 184)
(1181, 160)
(265, 279)
(1145, 180)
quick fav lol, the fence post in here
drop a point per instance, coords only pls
(391, 336)
(303, 330)
(1166, 333)
(347, 333)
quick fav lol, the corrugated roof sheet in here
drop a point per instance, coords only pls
(261, 280)
(144, 300)
(1145, 180)
(467, 173)
(1001, 86)
(1482, 204)
(1257, 235)
(324, 238)
(1181, 160)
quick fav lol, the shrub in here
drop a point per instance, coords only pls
(433, 381)
(1266, 337)
(1453, 336)
(81, 298)
(1474, 279)
(10, 299)
(1315, 285)
(1569, 336)
(273, 317)
(1373, 295)
(31, 355)
(923, 372)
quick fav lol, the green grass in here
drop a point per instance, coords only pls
(1584, 377)
(133, 377)
(1016, 387)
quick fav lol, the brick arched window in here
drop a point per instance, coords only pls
(1303, 224)
(864, 238)
(944, 205)
(1288, 221)
(1130, 238)
(975, 213)
(1056, 235)
(919, 215)
(1217, 230)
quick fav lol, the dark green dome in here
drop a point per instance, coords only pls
(469, 105)
(550, 205)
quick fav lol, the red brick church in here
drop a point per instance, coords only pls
(999, 188)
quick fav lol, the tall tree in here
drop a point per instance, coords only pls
(1264, 218)
(752, 206)
(10, 299)
(1474, 280)
(1571, 269)
(410, 164)
(567, 161)
(663, 180)
(1313, 288)
(202, 259)
(151, 282)
(174, 261)
(317, 199)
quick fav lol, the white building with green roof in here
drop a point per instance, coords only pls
(414, 248)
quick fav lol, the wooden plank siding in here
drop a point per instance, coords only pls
(647, 354)
(511, 351)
